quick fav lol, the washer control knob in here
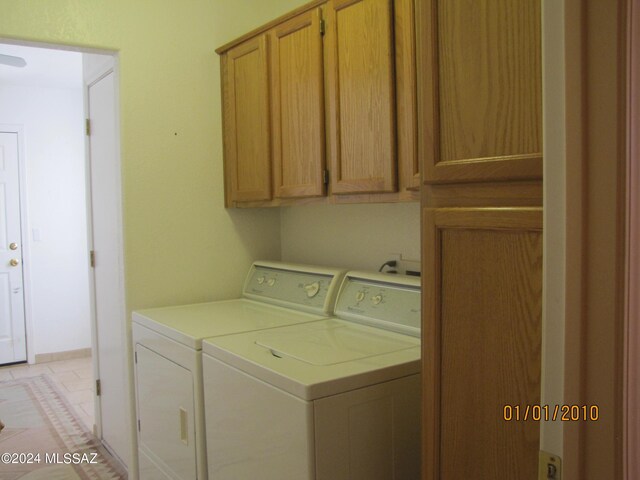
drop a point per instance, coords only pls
(376, 299)
(312, 289)
(260, 280)
(271, 282)
(359, 296)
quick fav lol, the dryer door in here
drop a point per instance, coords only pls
(166, 434)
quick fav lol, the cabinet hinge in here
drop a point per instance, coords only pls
(135, 357)
(87, 127)
(325, 177)
(138, 425)
(322, 26)
(98, 388)
(92, 258)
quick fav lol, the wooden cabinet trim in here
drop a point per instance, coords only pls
(427, 87)
(505, 168)
(268, 26)
(395, 197)
(492, 218)
(406, 101)
(305, 19)
(498, 194)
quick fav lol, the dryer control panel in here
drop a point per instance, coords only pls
(302, 287)
(391, 302)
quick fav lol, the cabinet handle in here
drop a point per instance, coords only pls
(184, 427)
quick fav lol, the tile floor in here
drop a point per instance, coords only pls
(74, 379)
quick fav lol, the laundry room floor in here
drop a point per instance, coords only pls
(74, 379)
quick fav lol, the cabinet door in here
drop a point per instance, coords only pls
(482, 311)
(406, 91)
(361, 96)
(480, 89)
(247, 130)
(298, 107)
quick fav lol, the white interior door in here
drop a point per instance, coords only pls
(12, 326)
(111, 352)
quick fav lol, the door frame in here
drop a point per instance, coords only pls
(631, 426)
(19, 130)
(596, 52)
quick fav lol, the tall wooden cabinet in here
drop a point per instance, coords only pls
(480, 140)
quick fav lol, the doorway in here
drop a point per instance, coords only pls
(65, 227)
(41, 105)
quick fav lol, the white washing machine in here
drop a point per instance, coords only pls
(337, 399)
(168, 358)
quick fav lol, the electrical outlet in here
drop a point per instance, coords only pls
(403, 264)
(549, 466)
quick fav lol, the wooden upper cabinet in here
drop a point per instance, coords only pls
(298, 107)
(480, 97)
(330, 87)
(247, 131)
(361, 96)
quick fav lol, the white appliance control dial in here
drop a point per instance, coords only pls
(376, 299)
(271, 282)
(312, 289)
(360, 296)
(260, 280)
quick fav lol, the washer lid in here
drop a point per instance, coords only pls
(320, 358)
(189, 324)
(337, 343)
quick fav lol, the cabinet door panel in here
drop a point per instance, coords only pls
(481, 99)
(247, 123)
(361, 96)
(482, 307)
(406, 79)
(298, 107)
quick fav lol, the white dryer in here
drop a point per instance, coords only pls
(168, 358)
(337, 399)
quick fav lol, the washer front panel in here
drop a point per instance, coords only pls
(385, 301)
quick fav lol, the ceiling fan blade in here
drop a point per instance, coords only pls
(12, 61)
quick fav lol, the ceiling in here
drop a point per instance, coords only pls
(45, 67)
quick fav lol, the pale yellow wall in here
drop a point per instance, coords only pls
(180, 243)
(351, 236)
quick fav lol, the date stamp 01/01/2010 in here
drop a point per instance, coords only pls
(48, 458)
(546, 413)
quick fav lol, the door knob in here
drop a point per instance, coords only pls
(13, 246)
(14, 262)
